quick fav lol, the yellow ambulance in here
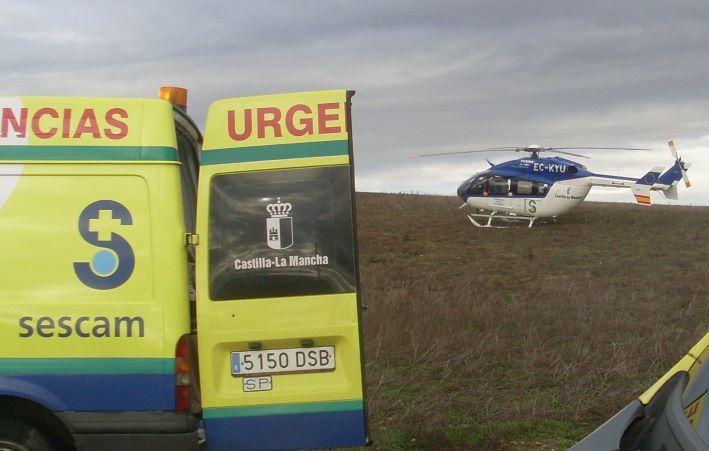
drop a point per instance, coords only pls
(140, 309)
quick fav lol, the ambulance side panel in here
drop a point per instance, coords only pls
(93, 286)
(92, 347)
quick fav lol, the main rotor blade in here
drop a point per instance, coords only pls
(497, 149)
(600, 148)
(554, 149)
(562, 150)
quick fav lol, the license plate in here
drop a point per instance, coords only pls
(294, 360)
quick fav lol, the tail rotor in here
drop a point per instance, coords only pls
(683, 167)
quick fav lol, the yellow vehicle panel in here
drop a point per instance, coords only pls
(276, 227)
(83, 123)
(91, 208)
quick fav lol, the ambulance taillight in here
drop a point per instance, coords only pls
(183, 374)
(175, 95)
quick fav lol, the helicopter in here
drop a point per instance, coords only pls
(536, 187)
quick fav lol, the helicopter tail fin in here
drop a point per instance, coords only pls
(641, 188)
(642, 194)
(671, 192)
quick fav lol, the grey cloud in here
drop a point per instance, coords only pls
(430, 76)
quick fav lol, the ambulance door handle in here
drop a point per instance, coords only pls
(191, 239)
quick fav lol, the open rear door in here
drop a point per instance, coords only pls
(278, 310)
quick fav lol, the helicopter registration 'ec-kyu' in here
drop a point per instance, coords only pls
(546, 187)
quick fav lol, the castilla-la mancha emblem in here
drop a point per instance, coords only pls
(279, 227)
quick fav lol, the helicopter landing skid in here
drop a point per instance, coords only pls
(490, 217)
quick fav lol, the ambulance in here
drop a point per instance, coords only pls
(164, 289)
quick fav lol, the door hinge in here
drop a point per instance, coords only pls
(191, 239)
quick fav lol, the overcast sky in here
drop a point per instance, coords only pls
(430, 76)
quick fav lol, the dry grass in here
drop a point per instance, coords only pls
(519, 338)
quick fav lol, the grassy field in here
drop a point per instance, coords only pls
(521, 338)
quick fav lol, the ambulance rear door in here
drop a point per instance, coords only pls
(278, 309)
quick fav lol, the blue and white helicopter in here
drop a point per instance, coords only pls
(535, 187)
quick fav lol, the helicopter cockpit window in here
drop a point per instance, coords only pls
(478, 185)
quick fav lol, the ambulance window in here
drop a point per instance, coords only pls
(186, 148)
(281, 233)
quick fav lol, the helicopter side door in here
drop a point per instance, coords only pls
(502, 194)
